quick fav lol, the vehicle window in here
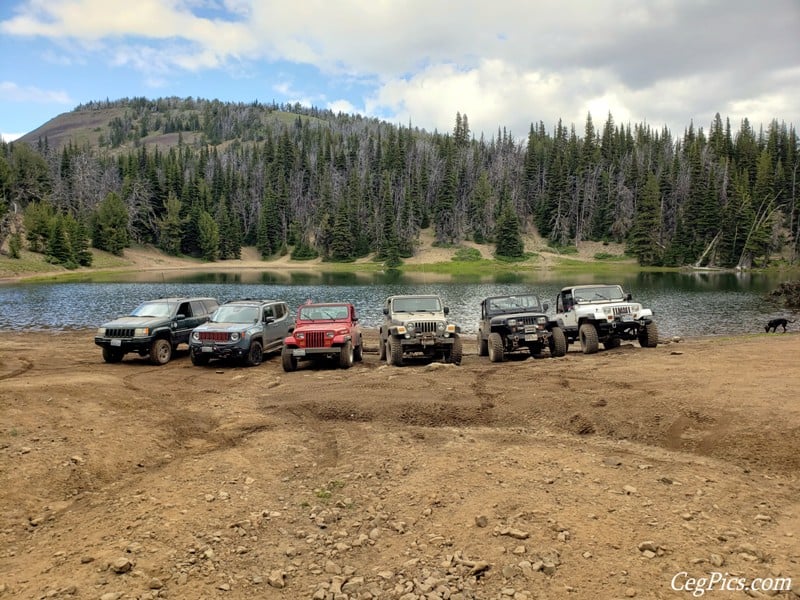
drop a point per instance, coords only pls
(417, 305)
(599, 293)
(235, 313)
(269, 311)
(185, 310)
(210, 306)
(333, 313)
(280, 311)
(153, 309)
(198, 309)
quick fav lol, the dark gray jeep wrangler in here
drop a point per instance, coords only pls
(518, 323)
(154, 328)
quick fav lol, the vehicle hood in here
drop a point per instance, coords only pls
(209, 326)
(323, 326)
(517, 315)
(419, 316)
(135, 322)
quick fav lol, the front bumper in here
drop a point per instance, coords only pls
(213, 351)
(125, 344)
(423, 342)
(298, 352)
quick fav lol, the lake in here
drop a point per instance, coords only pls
(685, 304)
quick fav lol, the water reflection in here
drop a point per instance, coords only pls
(687, 304)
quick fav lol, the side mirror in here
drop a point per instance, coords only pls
(269, 320)
(447, 310)
(385, 310)
(628, 297)
(545, 306)
(355, 319)
(180, 316)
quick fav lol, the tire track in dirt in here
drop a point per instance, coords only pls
(27, 365)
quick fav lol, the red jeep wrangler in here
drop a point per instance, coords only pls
(324, 331)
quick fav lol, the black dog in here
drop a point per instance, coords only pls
(775, 323)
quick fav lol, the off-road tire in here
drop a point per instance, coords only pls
(288, 360)
(557, 342)
(612, 343)
(358, 351)
(255, 355)
(483, 346)
(648, 335)
(198, 358)
(112, 355)
(588, 336)
(381, 349)
(346, 355)
(496, 350)
(160, 351)
(456, 351)
(394, 352)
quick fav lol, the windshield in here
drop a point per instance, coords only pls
(514, 303)
(598, 293)
(324, 313)
(416, 305)
(236, 314)
(153, 309)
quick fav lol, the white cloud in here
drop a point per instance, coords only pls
(13, 92)
(506, 63)
(10, 137)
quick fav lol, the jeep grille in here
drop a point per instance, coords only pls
(315, 339)
(622, 310)
(526, 320)
(122, 332)
(213, 336)
(424, 327)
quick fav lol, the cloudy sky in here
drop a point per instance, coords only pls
(503, 63)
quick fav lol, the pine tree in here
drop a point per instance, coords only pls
(342, 243)
(171, 225)
(58, 249)
(508, 238)
(208, 240)
(644, 236)
(110, 225)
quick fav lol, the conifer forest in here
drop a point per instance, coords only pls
(204, 178)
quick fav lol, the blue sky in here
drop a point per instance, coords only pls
(505, 63)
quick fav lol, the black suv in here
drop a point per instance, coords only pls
(515, 323)
(154, 328)
(242, 329)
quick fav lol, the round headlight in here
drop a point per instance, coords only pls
(440, 326)
(512, 322)
(541, 320)
(410, 327)
(234, 336)
(195, 335)
(300, 336)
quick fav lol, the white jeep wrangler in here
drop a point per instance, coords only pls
(603, 313)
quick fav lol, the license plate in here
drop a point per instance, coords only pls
(627, 318)
(206, 349)
(530, 337)
(116, 342)
(299, 352)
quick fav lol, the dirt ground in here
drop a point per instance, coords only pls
(604, 476)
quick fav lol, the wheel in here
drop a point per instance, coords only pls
(558, 342)
(612, 343)
(588, 336)
(160, 352)
(496, 350)
(381, 350)
(256, 354)
(648, 336)
(483, 346)
(112, 355)
(288, 360)
(346, 355)
(358, 353)
(457, 351)
(394, 352)
(198, 358)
